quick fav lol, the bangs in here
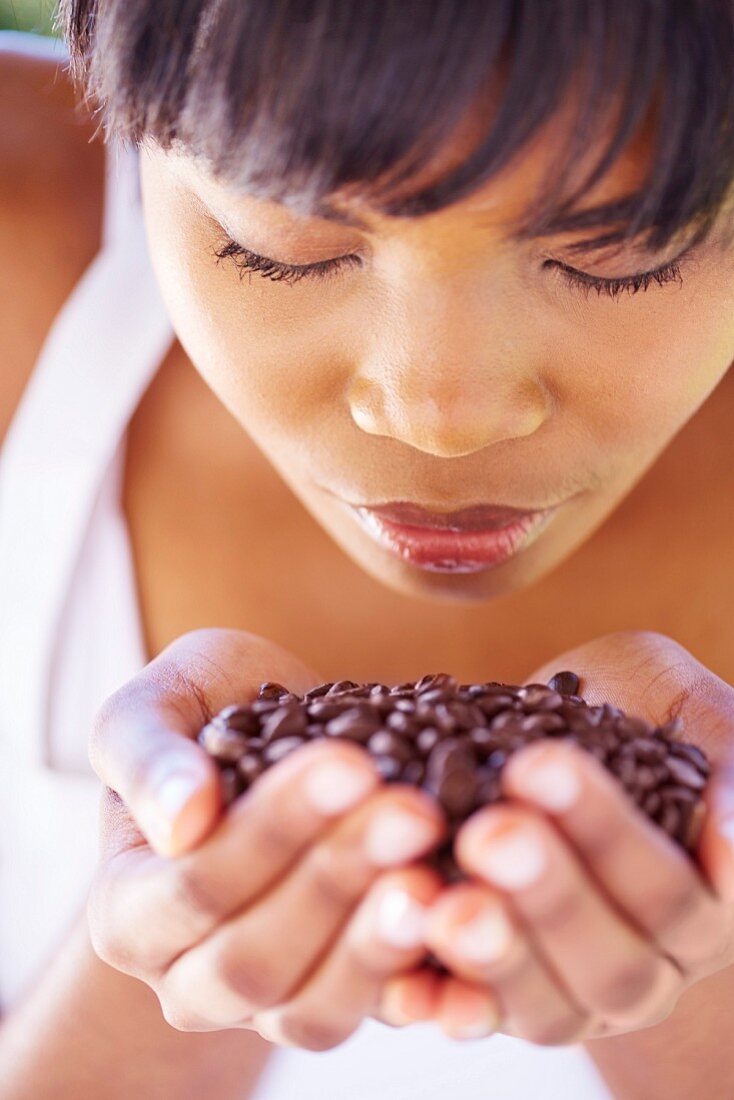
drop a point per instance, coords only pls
(294, 100)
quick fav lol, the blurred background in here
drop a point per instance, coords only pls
(27, 15)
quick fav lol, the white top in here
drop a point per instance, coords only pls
(71, 635)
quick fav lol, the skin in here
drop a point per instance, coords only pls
(593, 391)
(385, 382)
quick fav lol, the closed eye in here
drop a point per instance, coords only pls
(614, 287)
(248, 261)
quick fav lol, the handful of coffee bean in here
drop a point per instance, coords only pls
(453, 741)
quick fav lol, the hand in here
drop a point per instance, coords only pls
(582, 918)
(287, 913)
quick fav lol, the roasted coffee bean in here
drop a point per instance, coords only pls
(388, 767)
(341, 687)
(284, 722)
(317, 692)
(453, 740)
(276, 750)
(272, 690)
(225, 744)
(693, 754)
(356, 724)
(426, 739)
(566, 683)
(232, 785)
(413, 772)
(250, 766)
(683, 771)
(323, 711)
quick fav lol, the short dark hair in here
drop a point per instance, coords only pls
(293, 99)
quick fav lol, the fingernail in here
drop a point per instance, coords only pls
(334, 786)
(400, 920)
(394, 837)
(169, 797)
(486, 937)
(553, 784)
(512, 859)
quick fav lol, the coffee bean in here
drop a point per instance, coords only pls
(453, 740)
(388, 767)
(426, 739)
(341, 687)
(276, 750)
(250, 766)
(272, 690)
(356, 724)
(684, 772)
(693, 754)
(566, 683)
(283, 723)
(387, 743)
(226, 745)
(413, 772)
(318, 691)
(231, 784)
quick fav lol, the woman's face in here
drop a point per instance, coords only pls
(446, 366)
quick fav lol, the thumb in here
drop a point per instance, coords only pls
(143, 746)
(145, 752)
(652, 676)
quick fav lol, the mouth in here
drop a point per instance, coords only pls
(465, 541)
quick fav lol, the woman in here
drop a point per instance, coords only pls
(418, 365)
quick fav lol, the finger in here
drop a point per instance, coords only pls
(383, 937)
(648, 876)
(409, 998)
(242, 967)
(467, 1011)
(607, 966)
(473, 931)
(176, 903)
(142, 744)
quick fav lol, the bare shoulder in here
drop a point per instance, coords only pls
(51, 193)
(47, 147)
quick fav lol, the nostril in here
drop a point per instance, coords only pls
(448, 421)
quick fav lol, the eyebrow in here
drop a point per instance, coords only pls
(602, 215)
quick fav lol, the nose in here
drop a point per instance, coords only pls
(448, 409)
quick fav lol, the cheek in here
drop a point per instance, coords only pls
(265, 349)
(637, 369)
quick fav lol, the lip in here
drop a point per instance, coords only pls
(466, 541)
(480, 517)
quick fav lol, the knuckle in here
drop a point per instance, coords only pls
(628, 987)
(557, 1031)
(177, 1016)
(108, 946)
(250, 977)
(192, 894)
(557, 911)
(672, 906)
(337, 876)
(275, 836)
(312, 1033)
(106, 937)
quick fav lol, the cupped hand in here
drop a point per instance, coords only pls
(285, 914)
(580, 918)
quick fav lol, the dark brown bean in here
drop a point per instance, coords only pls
(276, 750)
(454, 739)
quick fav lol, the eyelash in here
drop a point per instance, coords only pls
(247, 262)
